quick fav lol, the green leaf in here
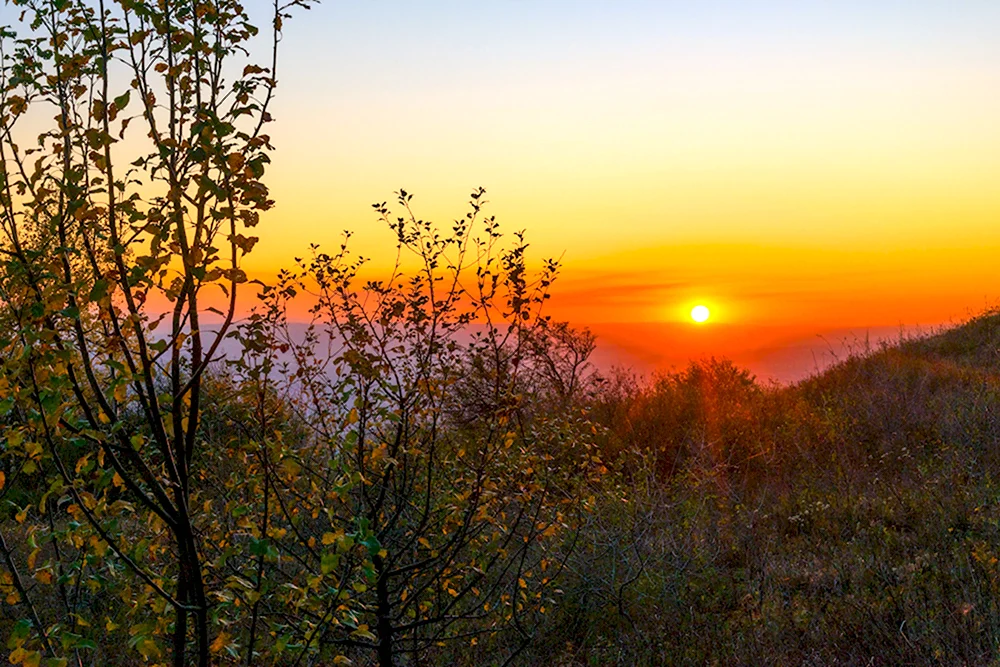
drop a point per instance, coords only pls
(373, 544)
(329, 562)
(100, 290)
(263, 548)
(72, 641)
(20, 632)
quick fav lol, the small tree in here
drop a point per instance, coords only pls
(442, 469)
(138, 191)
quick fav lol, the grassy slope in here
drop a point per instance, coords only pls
(851, 519)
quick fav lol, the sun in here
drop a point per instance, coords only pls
(700, 314)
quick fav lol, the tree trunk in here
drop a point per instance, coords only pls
(190, 592)
(383, 611)
(180, 622)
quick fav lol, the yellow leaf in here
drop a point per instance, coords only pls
(220, 642)
(329, 538)
(425, 542)
(3, 479)
(363, 632)
(100, 546)
(147, 648)
(89, 501)
(290, 467)
(32, 659)
(342, 660)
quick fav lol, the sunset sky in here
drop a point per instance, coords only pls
(808, 170)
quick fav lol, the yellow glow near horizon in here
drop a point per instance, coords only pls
(796, 168)
(814, 134)
(700, 314)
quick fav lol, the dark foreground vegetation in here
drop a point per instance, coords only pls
(851, 519)
(430, 472)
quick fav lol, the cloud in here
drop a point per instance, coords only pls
(615, 289)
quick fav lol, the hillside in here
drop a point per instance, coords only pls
(851, 519)
(975, 344)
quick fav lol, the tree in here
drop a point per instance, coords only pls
(139, 191)
(441, 470)
(416, 483)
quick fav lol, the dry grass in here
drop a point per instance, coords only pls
(851, 519)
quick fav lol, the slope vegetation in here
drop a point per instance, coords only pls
(851, 519)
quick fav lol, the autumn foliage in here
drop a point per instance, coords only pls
(427, 470)
(183, 486)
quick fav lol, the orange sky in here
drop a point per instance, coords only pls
(805, 169)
